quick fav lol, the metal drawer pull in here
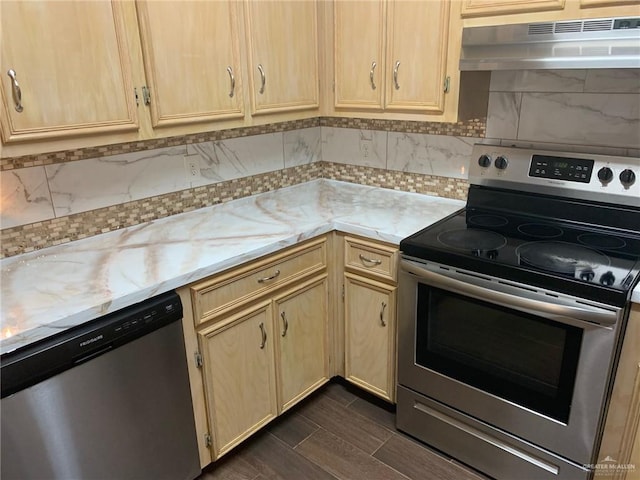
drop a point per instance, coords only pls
(17, 93)
(285, 323)
(384, 305)
(395, 75)
(373, 67)
(263, 78)
(266, 279)
(364, 259)
(233, 81)
(264, 336)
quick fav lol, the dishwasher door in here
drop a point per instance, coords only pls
(123, 412)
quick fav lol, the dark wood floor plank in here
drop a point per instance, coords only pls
(413, 460)
(275, 460)
(339, 432)
(230, 467)
(292, 428)
(348, 425)
(377, 411)
(340, 391)
(344, 460)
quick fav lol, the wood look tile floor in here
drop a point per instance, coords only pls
(341, 433)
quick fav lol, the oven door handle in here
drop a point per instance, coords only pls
(567, 314)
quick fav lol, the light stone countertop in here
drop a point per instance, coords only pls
(50, 290)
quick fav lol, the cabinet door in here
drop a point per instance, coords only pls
(239, 375)
(359, 54)
(610, 3)
(487, 8)
(72, 70)
(621, 435)
(283, 51)
(192, 60)
(302, 336)
(370, 340)
(416, 55)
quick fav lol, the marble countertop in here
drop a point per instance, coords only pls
(50, 290)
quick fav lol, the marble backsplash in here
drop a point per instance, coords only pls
(581, 110)
(575, 110)
(41, 193)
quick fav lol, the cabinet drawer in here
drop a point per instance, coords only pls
(229, 290)
(375, 259)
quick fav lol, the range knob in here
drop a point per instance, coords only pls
(587, 275)
(627, 177)
(605, 175)
(501, 162)
(484, 161)
(607, 279)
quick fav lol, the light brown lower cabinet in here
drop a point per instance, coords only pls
(261, 361)
(370, 282)
(621, 439)
(240, 378)
(263, 334)
(370, 335)
(258, 342)
(301, 340)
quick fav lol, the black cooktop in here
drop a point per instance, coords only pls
(597, 262)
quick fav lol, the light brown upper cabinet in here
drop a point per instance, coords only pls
(65, 71)
(612, 3)
(283, 55)
(192, 61)
(525, 11)
(391, 55)
(473, 8)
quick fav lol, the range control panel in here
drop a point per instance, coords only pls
(605, 178)
(571, 169)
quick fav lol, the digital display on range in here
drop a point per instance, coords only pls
(560, 168)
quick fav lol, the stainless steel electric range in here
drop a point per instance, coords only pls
(512, 310)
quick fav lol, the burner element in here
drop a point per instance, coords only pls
(488, 220)
(560, 257)
(540, 230)
(473, 240)
(599, 241)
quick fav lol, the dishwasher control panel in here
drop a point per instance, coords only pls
(35, 362)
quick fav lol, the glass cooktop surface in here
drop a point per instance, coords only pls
(577, 259)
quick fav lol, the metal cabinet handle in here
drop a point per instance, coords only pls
(17, 93)
(285, 323)
(233, 81)
(266, 279)
(263, 78)
(364, 259)
(395, 75)
(146, 95)
(264, 335)
(373, 67)
(384, 305)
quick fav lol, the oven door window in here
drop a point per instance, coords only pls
(528, 360)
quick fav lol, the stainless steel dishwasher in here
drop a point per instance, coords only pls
(108, 399)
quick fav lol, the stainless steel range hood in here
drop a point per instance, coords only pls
(599, 43)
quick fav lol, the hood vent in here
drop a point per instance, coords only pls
(600, 43)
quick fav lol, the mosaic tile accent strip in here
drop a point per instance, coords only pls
(35, 236)
(120, 148)
(448, 187)
(471, 128)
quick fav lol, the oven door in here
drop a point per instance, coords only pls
(528, 363)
